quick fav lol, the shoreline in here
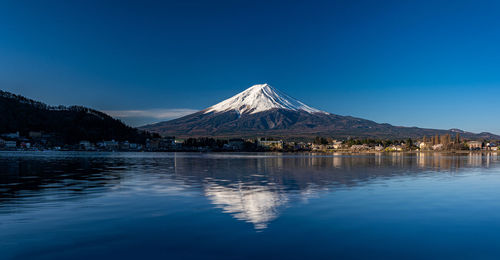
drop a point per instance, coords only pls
(263, 152)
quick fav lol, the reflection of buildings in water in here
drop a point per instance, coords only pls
(337, 160)
(378, 159)
(439, 161)
(396, 158)
(254, 204)
(443, 161)
(436, 161)
(421, 159)
(475, 159)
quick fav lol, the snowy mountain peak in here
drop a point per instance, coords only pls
(259, 98)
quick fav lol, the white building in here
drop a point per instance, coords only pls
(85, 145)
(10, 144)
(271, 144)
(474, 145)
(437, 147)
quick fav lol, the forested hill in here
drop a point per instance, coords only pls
(66, 124)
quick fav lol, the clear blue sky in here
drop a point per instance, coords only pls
(413, 63)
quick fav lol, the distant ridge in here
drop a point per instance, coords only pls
(262, 110)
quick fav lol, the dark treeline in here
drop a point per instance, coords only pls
(205, 142)
(66, 125)
(382, 142)
(214, 144)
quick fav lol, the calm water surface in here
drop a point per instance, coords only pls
(56, 205)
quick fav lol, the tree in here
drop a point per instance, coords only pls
(409, 142)
(320, 140)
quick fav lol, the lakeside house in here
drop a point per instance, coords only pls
(235, 144)
(109, 145)
(10, 144)
(359, 147)
(85, 145)
(492, 147)
(336, 144)
(300, 146)
(394, 148)
(331, 145)
(134, 146)
(124, 145)
(474, 145)
(273, 145)
(318, 147)
(437, 147)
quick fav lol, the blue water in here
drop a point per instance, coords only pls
(56, 205)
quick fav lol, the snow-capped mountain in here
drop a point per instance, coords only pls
(262, 110)
(259, 98)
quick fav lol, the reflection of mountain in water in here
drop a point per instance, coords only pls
(255, 204)
(250, 187)
(254, 189)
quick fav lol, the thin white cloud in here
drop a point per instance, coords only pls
(141, 117)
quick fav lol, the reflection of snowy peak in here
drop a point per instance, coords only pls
(259, 98)
(256, 205)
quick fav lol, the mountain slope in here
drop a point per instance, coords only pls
(262, 110)
(68, 124)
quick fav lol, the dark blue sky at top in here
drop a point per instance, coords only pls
(414, 63)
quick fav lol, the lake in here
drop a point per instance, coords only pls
(70, 205)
